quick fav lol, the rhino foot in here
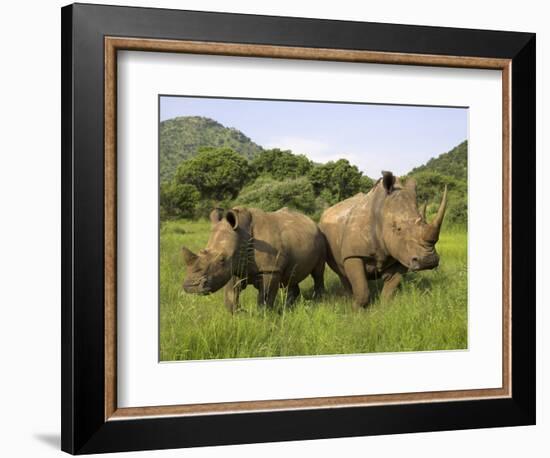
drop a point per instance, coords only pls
(355, 274)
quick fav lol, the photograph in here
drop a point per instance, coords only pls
(308, 228)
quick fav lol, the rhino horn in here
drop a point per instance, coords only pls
(433, 229)
(188, 256)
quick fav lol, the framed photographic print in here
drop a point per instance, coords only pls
(282, 228)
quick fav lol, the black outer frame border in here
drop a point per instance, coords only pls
(83, 428)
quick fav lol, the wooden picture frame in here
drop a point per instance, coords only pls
(91, 419)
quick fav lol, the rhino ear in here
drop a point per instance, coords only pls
(188, 256)
(232, 217)
(239, 218)
(388, 181)
(216, 215)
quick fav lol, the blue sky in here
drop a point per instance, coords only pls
(373, 137)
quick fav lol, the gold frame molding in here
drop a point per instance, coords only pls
(114, 44)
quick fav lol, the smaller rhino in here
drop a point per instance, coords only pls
(266, 249)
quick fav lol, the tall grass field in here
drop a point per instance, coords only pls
(429, 312)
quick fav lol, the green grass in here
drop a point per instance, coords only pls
(428, 313)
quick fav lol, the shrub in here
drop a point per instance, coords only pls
(336, 181)
(281, 165)
(270, 195)
(430, 187)
(217, 173)
(457, 209)
(178, 200)
(365, 184)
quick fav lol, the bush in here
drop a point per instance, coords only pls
(336, 181)
(270, 195)
(281, 165)
(217, 173)
(365, 184)
(178, 200)
(430, 186)
(457, 209)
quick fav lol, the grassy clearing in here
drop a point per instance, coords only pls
(428, 313)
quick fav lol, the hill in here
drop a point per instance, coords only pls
(182, 137)
(450, 169)
(453, 163)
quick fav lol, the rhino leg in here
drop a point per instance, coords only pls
(292, 294)
(267, 289)
(392, 278)
(345, 283)
(355, 273)
(318, 275)
(231, 294)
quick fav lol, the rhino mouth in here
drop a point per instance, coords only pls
(424, 263)
(197, 287)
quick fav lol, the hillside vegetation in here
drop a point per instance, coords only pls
(453, 164)
(450, 169)
(181, 138)
(205, 165)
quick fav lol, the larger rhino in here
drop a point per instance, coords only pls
(381, 234)
(265, 249)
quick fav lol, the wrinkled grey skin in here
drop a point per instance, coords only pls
(381, 234)
(265, 249)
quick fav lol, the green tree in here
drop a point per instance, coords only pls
(457, 212)
(217, 173)
(281, 165)
(270, 195)
(449, 169)
(178, 200)
(430, 185)
(336, 181)
(365, 184)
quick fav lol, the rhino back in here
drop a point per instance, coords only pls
(287, 241)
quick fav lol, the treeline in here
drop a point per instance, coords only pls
(220, 177)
